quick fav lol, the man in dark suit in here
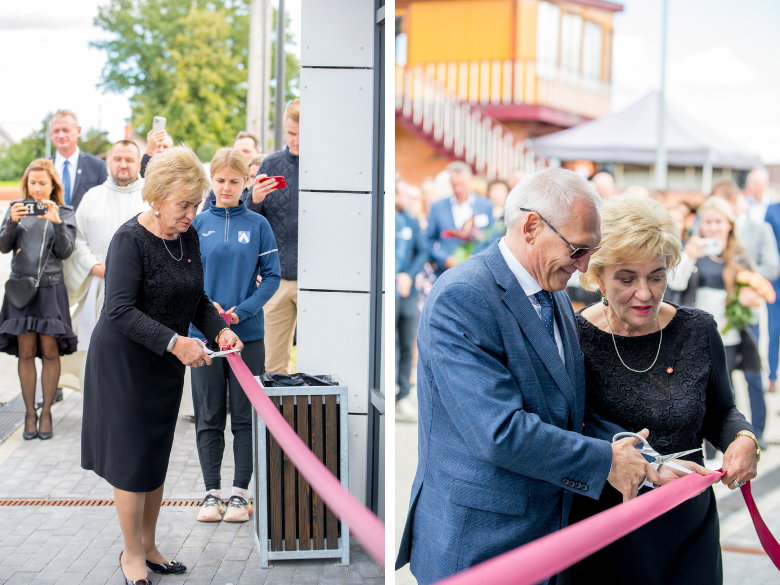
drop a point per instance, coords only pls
(501, 391)
(78, 171)
(452, 213)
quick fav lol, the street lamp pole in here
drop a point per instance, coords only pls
(280, 77)
(660, 154)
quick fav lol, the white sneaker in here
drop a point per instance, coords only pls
(237, 510)
(405, 410)
(210, 509)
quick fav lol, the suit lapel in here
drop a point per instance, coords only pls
(523, 311)
(79, 170)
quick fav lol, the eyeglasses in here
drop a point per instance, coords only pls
(576, 252)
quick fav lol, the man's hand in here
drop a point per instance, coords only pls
(261, 187)
(403, 284)
(99, 270)
(629, 468)
(153, 141)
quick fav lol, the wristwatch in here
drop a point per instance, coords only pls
(750, 436)
(172, 342)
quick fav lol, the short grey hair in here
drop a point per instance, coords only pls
(458, 167)
(551, 193)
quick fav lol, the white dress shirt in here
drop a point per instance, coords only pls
(462, 212)
(73, 164)
(757, 209)
(531, 287)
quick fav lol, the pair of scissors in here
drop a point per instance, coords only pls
(646, 449)
(215, 354)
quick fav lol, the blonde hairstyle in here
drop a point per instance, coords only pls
(293, 111)
(64, 113)
(174, 174)
(734, 253)
(634, 229)
(47, 166)
(229, 157)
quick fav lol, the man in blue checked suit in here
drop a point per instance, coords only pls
(500, 386)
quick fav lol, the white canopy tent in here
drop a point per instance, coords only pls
(630, 136)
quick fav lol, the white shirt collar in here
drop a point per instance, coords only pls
(73, 159)
(530, 286)
(469, 201)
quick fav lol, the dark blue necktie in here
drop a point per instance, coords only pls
(545, 299)
(66, 182)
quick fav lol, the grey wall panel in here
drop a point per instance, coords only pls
(358, 444)
(336, 129)
(337, 34)
(334, 231)
(333, 339)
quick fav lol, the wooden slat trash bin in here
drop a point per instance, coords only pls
(291, 520)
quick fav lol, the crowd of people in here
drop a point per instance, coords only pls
(450, 218)
(522, 402)
(118, 276)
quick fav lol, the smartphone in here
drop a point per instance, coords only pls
(280, 182)
(711, 247)
(159, 124)
(33, 207)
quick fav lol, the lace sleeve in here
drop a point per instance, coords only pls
(722, 420)
(124, 279)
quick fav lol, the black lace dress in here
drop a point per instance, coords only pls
(133, 387)
(683, 399)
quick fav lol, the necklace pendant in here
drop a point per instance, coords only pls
(669, 370)
(188, 260)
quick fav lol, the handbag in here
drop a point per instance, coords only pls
(22, 291)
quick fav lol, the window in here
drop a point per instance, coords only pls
(547, 37)
(571, 41)
(591, 50)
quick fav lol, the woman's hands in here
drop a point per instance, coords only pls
(694, 249)
(190, 352)
(748, 297)
(52, 211)
(19, 210)
(739, 462)
(229, 340)
(233, 317)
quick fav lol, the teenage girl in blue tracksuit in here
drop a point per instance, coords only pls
(235, 245)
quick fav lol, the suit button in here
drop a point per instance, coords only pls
(585, 487)
(578, 485)
(565, 481)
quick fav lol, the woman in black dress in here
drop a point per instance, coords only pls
(41, 328)
(139, 350)
(655, 365)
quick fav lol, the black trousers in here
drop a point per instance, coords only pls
(209, 397)
(406, 316)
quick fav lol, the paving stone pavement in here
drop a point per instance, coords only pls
(51, 545)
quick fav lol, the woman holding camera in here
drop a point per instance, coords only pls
(35, 318)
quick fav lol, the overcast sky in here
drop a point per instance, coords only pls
(723, 65)
(46, 64)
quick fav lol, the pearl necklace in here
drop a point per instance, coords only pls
(657, 353)
(163, 240)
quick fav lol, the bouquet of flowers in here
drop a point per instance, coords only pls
(751, 288)
(470, 235)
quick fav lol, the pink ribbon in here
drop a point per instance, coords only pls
(541, 559)
(367, 528)
(768, 541)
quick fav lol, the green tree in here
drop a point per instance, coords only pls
(185, 60)
(95, 141)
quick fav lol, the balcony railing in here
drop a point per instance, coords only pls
(524, 81)
(462, 128)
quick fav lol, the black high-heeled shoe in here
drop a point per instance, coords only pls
(172, 568)
(128, 581)
(30, 436)
(45, 436)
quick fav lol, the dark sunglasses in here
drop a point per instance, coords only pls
(576, 252)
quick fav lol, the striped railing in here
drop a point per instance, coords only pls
(523, 81)
(461, 127)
